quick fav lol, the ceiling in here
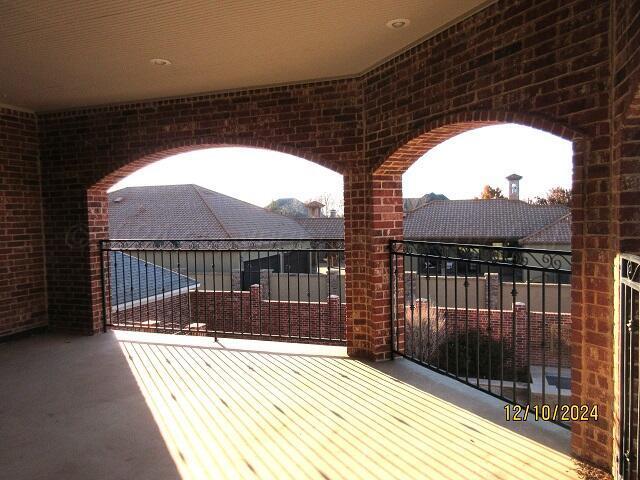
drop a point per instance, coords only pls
(57, 54)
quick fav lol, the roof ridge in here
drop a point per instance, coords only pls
(232, 198)
(547, 226)
(235, 199)
(208, 207)
(257, 208)
(443, 200)
(420, 207)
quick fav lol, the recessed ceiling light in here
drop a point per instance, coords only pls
(397, 23)
(160, 61)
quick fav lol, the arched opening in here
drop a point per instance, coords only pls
(481, 290)
(215, 242)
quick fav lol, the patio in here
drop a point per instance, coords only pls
(140, 405)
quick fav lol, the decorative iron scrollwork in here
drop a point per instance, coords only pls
(558, 261)
(631, 268)
(255, 244)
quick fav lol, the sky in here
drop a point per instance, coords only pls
(461, 166)
(253, 175)
(457, 168)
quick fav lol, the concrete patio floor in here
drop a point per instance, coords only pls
(127, 405)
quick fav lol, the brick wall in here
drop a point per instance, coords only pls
(567, 67)
(86, 151)
(545, 64)
(237, 313)
(22, 279)
(536, 339)
(172, 312)
(625, 171)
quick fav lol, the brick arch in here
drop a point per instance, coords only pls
(386, 209)
(97, 199)
(423, 138)
(138, 160)
(630, 107)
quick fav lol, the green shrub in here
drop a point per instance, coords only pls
(476, 353)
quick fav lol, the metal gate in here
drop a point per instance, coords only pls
(629, 278)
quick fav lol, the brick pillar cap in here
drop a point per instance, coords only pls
(520, 304)
(333, 297)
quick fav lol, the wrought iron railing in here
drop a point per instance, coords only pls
(629, 319)
(290, 290)
(495, 318)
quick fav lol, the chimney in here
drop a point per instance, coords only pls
(313, 209)
(514, 186)
(333, 213)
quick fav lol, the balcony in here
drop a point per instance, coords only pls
(148, 405)
(228, 360)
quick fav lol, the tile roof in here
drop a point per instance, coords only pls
(193, 212)
(245, 220)
(324, 227)
(463, 220)
(556, 233)
(133, 279)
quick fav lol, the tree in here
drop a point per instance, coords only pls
(330, 203)
(555, 196)
(489, 192)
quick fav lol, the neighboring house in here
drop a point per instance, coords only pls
(292, 207)
(323, 227)
(554, 236)
(191, 212)
(410, 204)
(489, 222)
(496, 221)
(183, 212)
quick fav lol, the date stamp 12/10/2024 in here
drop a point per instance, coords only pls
(554, 413)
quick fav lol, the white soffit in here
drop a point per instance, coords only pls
(57, 54)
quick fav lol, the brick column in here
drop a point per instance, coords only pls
(265, 280)
(236, 280)
(520, 353)
(492, 290)
(332, 328)
(333, 284)
(373, 216)
(411, 280)
(84, 239)
(255, 307)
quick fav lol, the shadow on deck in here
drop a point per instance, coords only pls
(138, 405)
